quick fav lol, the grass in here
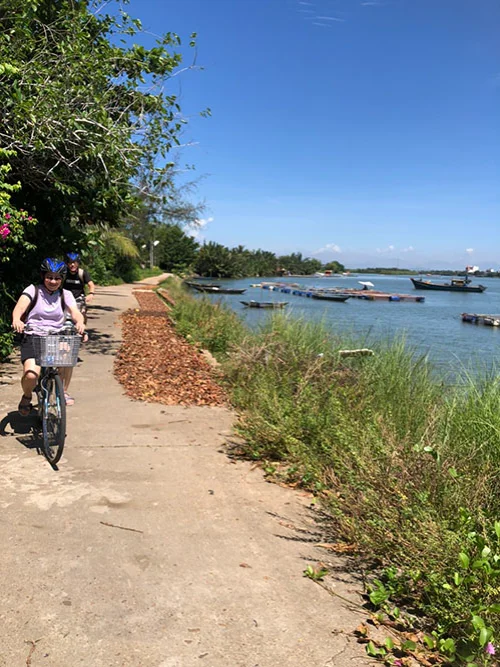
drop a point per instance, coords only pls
(209, 323)
(407, 466)
(149, 273)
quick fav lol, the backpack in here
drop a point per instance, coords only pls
(35, 299)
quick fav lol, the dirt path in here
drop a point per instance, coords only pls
(149, 547)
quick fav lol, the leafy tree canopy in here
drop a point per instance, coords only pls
(334, 266)
(83, 107)
(178, 250)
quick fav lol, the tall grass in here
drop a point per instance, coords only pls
(210, 324)
(408, 466)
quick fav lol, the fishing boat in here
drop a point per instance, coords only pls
(330, 296)
(487, 320)
(206, 289)
(264, 304)
(455, 285)
(194, 285)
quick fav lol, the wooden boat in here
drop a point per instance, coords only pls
(330, 296)
(487, 320)
(208, 289)
(456, 285)
(193, 284)
(264, 304)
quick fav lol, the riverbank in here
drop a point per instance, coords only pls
(405, 466)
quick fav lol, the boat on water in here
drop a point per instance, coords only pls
(264, 304)
(455, 285)
(487, 320)
(193, 284)
(206, 289)
(330, 296)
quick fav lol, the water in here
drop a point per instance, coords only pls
(434, 327)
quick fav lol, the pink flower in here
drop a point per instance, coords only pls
(489, 648)
(4, 231)
(30, 218)
(7, 216)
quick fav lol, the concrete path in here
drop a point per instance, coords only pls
(149, 547)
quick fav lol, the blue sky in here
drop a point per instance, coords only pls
(366, 131)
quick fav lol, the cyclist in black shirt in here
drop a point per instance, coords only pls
(76, 280)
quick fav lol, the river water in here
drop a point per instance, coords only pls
(433, 327)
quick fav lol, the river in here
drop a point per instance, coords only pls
(434, 327)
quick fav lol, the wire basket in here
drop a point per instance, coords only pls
(56, 350)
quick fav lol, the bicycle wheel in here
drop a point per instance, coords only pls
(53, 418)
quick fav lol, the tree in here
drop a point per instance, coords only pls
(214, 260)
(178, 251)
(158, 207)
(84, 114)
(334, 267)
(298, 265)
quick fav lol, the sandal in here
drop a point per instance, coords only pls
(69, 400)
(24, 406)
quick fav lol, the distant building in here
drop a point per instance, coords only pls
(472, 269)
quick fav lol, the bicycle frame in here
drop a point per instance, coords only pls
(52, 413)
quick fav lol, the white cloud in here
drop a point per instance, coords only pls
(410, 248)
(194, 229)
(469, 251)
(328, 18)
(329, 247)
(389, 248)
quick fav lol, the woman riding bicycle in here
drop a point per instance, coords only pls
(42, 309)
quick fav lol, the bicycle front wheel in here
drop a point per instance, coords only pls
(53, 418)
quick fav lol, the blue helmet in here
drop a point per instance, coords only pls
(72, 257)
(51, 265)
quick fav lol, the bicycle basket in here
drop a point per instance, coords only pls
(56, 350)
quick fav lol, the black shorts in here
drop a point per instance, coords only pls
(27, 349)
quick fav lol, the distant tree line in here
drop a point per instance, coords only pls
(178, 252)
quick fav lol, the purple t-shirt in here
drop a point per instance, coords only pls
(47, 313)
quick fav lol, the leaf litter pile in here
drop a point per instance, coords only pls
(155, 364)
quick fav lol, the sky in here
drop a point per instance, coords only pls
(366, 131)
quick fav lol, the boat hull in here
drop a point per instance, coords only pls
(195, 285)
(446, 287)
(264, 304)
(332, 297)
(218, 290)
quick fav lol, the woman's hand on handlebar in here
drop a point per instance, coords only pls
(18, 325)
(80, 327)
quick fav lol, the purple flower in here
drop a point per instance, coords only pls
(4, 231)
(30, 218)
(490, 649)
(7, 216)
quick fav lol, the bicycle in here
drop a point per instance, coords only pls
(53, 351)
(82, 306)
